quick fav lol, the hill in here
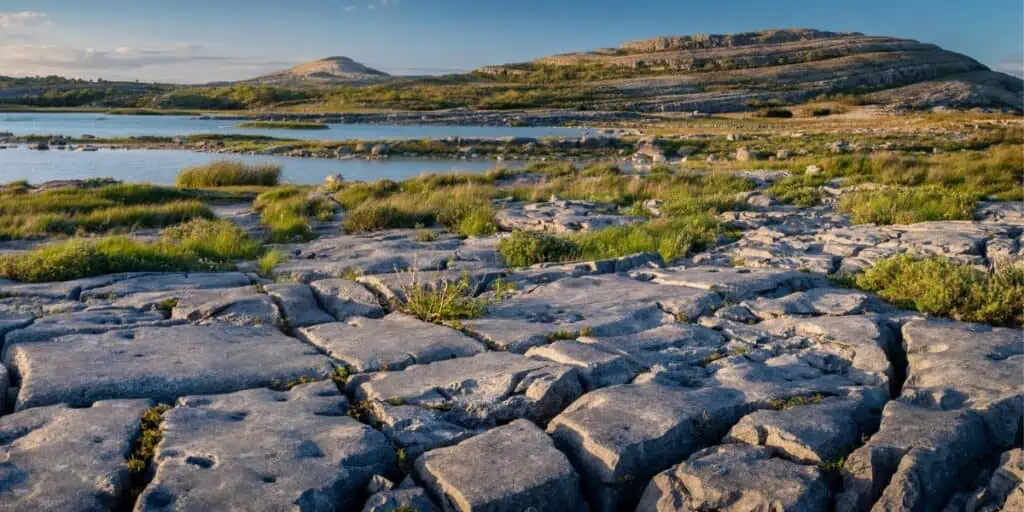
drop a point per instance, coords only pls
(732, 72)
(332, 70)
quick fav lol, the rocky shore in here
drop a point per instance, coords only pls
(739, 379)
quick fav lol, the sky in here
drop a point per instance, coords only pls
(197, 41)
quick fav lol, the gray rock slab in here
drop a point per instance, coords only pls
(61, 290)
(392, 286)
(735, 284)
(239, 306)
(619, 437)
(608, 305)
(735, 478)
(167, 282)
(62, 459)
(817, 301)
(510, 468)
(299, 304)
(484, 389)
(161, 363)
(389, 343)
(597, 366)
(668, 345)
(417, 429)
(812, 434)
(265, 450)
(560, 216)
(343, 299)
(405, 500)
(91, 320)
(13, 321)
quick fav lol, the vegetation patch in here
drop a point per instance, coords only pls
(440, 302)
(525, 248)
(226, 173)
(283, 125)
(144, 447)
(909, 205)
(945, 288)
(286, 213)
(202, 245)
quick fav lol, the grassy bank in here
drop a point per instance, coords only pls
(229, 174)
(197, 245)
(286, 212)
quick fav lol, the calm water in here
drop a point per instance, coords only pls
(101, 125)
(160, 167)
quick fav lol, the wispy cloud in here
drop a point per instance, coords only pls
(25, 18)
(373, 6)
(1012, 65)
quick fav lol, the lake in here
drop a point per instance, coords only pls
(109, 126)
(161, 166)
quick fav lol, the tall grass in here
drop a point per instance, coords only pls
(227, 174)
(906, 205)
(286, 213)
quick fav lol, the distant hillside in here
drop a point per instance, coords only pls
(732, 72)
(332, 70)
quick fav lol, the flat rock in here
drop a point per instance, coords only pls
(239, 306)
(597, 366)
(736, 478)
(818, 433)
(12, 321)
(389, 343)
(619, 437)
(265, 450)
(299, 304)
(405, 500)
(167, 282)
(560, 216)
(343, 299)
(161, 363)
(608, 305)
(61, 290)
(62, 459)
(814, 302)
(91, 320)
(510, 468)
(736, 284)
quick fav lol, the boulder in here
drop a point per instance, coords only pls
(513, 467)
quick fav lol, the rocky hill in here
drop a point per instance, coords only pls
(331, 70)
(719, 73)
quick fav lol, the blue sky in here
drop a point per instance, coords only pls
(207, 40)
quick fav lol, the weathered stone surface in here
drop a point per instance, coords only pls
(610, 305)
(484, 389)
(61, 290)
(963, 399)
(57, 458)
(393, 286)
(12, 321)
(736, 284)
(817, 301)
(510, 468)
(735, 478)
(620, 436)
(265, 450)
(560, 216)
(91, 320)
(238, 306)
(406, 500)
(390, 343)
(343, 299)
(812, 434)
(161, 363)
(597, 366)
(167, 282)
(298, 304)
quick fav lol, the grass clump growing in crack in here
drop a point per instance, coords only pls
(796, 401)
(269, 261)
(444, 301)
(945, 288)
(144, 446)
(227, 173)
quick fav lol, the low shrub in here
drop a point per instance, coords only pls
(779, 113)
(286, 211)
(445, 301)
(942, 287)
(229, 174)
(525, 248)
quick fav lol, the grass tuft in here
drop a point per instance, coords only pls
(909, 205)
(444, 301)
(229, 174)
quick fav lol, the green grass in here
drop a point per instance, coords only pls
(525, 248)
(445, 301)
(942, 287)
(286, 212)
(465, 208)
(269, 261)
(283, 125)
(909, 205)
(200, 245)
(227, 173)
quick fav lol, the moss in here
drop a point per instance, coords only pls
(796, 401)
(144, 447)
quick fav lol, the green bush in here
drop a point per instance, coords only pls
(228, 174)
(525, 248)
(909, 205)
(942, 287)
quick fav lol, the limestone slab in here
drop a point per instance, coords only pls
(299, 304)
(343, 299)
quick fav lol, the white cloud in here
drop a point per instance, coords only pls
(1012, 65)
(23, 19)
